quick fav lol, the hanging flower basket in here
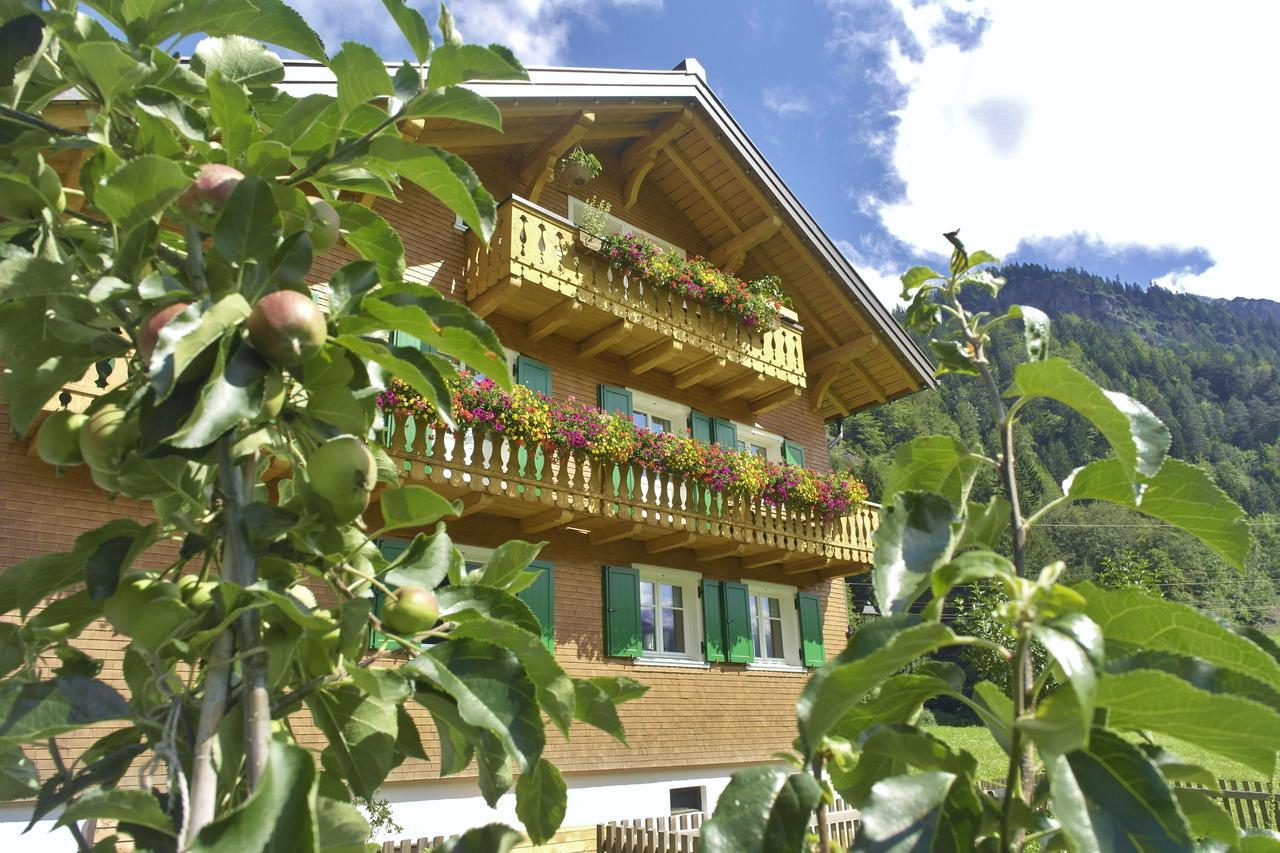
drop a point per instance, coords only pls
(577, 173)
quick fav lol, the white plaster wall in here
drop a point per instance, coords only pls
(42, 838)
(448, 807)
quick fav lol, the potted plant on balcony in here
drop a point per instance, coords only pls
(578, 166)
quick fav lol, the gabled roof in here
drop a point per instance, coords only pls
(669, 128)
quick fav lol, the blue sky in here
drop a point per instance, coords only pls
(1121, 138)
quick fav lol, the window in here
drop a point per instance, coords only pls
(655, 413)
(614, 225)
(754, 440)
(686, 800)
(766, 626)
(652, 614)
(775, 625)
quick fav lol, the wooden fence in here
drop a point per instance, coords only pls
(1252, 804)
(679, 833)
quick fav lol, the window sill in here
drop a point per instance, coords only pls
(682, 663)
(771, 666)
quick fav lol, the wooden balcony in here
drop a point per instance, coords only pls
(542, 273)
(548, 489)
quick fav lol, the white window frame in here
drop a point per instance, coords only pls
(692, 604)
(750, 434)
(614, 225)
(786, 595)
(651, 405)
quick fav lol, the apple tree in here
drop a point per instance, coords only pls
(205, 192)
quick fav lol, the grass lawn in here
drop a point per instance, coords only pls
(993, 764)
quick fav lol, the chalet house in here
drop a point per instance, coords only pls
(721, 607)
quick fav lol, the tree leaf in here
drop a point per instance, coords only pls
(933, 810)
(899, 698)
(984, 524)
(1197, 672)
(248, 228)
(457, 601)
(119, 804)
(112, 70)
(65, 617)
(141, 189)
(425, 562)
(456, 736)
(593, 706)
(877, 651)
(454, 103)
(933, 463)
(446, 176)
(541, 797)
(27, 583)
(18, 777)
(373, 239)
(452, 64)
(1109, 796)
(1180, 493)
(31, 711)
(967, 568)
(762, 809)
(492, 691)
(279, 815)
(232, 393)
(24, 277)
(889, 750)
(341, 827)
(1075, 644)
(414, 506)
(491, 838)
(231, 113)
(1137, 436)
(360, 730)
(422, 371)
(506, 563)
(916, 535)
(1129, 616)
(271, 21)
(361, 75)
(917, 277)
(555, 689)
(239, 60)
(349, 284)
(1150, 699)
(412, 26)
(1035, 327)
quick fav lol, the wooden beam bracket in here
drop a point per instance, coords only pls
(774, 399)
(601, 340)
(564, 311)
(670, 542)
(548, 520)
(641, 156)
(765, 558)
(844, 352)
(653, 355)
(539, 166)
(485, 303)
(731, 254)
(687, 377)
(613, 532)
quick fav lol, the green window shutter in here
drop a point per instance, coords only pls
(615, 399)
(793, 453)
(541, 598)
(737, 622)
(712, 621)
(390, 548)
(533, 375)
(726, 434)
(810, 629)
(621, 611)
(701, 427)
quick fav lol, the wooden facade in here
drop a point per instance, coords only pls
(547, 293)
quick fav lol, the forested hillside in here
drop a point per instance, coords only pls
(1209, 368)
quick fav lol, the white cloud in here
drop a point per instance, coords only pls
(785, 101)
(536, 30)
(1145, 123)
(885, 283)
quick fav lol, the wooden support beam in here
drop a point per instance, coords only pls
(654, 354)
(718, 552)
(670, 542)
(774, 399)
(539, 166)
(548, 520)
(495, 296)
(689, 376)
(765, 558)
(482, 137)
(613, 532)
(808, 564)
(739, 386)
(867, 379)
(641, 156)
(820, 388)
(845, 352)
(597, 343)
(473, 502)
(695, 180)
(841, 406)
(731, 253)
(564, 311)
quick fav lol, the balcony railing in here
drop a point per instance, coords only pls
(549, 488)
(565, 285)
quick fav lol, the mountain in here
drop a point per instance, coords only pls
(1209, 368)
